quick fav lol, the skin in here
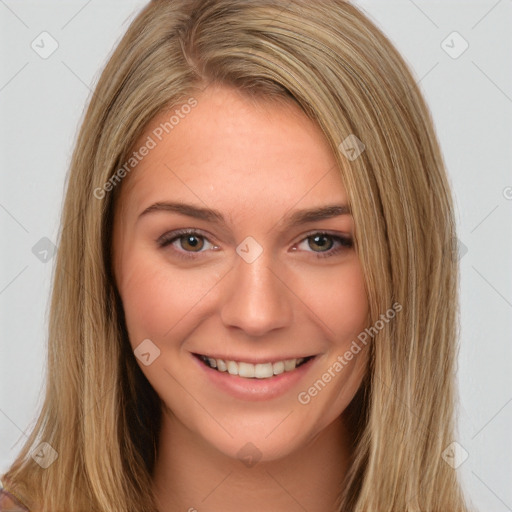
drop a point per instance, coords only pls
(255, 162)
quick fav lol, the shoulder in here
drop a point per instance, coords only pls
(9, 502)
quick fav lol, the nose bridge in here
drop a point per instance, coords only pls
(256, 300)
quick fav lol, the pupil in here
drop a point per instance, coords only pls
(190, 240)
(319, 237)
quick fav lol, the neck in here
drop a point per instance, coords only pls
(191, 475)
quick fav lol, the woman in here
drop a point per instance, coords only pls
(204, 354)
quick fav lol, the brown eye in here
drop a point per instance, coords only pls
(327, 244)
(186, 243)
(191, 242)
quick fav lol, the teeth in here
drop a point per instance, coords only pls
(251, 371)
(232, 367)
(247, 370)
(278, 367)
(289, 365)
(263, 371)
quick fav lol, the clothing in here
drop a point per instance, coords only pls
(9, 502)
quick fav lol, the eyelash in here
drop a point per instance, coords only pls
(169, 238)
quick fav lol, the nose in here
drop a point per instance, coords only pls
(255, 298)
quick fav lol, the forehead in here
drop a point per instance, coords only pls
(233, 147)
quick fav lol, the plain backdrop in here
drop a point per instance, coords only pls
(469, 91)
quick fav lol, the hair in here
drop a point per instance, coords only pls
(100, 413)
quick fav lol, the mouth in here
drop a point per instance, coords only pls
(253, 371)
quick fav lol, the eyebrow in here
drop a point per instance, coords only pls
(296, 218)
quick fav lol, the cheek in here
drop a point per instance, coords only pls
(350, 311)
(145, 309)
(156, 298)
(338, 300)
(349, 318)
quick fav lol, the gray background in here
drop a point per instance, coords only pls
(470, 96)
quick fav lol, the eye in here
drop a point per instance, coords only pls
(189, 242)
(329, 244)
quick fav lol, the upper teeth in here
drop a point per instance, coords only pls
(249, 370)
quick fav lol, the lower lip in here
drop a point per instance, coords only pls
(255, 389)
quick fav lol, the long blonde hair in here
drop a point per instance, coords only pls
(330, 59)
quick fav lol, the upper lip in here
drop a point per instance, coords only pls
(254, 360)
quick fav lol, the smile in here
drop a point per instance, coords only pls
(254, 371)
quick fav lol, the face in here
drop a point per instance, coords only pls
(215, 258)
